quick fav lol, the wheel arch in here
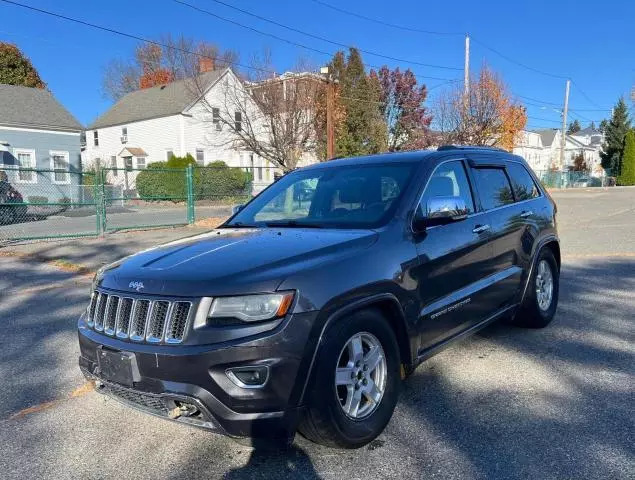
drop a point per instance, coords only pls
(390, 308)
(552, 243)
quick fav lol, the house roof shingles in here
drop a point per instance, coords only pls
(159, 101)
(34, 107)
(547, 136)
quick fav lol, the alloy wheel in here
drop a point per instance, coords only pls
(544, 285)
(360, 375)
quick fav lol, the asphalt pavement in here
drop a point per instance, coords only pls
(506, 403)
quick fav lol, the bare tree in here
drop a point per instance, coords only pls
(487, 116)
(271, 116)
(170, 59)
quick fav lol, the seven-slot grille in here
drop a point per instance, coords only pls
(139, 319)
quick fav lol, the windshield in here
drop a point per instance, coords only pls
(360, 196)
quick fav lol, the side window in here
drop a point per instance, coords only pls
(493, 187)
(524, 186)
(449, 180)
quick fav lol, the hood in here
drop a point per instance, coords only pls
(230, 261)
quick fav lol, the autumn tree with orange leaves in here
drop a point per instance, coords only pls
(489, 116)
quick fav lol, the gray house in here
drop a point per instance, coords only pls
(39, 145)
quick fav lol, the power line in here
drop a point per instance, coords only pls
(527, 67)
(160, 44)
(129, 35)
(543, 119)
(302, 32)
(402, 27)
(584, 94)
(381, 22)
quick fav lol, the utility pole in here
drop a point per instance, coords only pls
(563, 136)
(466, 71)
(330, 121)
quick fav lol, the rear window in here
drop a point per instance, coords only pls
(524, 186)
(493, 187)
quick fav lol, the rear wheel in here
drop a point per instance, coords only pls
(541, 299)
(355, 386)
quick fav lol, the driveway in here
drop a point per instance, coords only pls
(506, 403)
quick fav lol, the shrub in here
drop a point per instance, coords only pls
(155, 183)
(215, 181)
(38, 199)
(218, 181)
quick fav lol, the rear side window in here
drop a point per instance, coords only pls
(493, 187)
(524, 186)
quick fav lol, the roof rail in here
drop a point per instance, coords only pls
(468, 147)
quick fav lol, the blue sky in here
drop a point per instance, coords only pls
(590, 42)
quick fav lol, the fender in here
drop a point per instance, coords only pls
(539, 245)
(339, 313)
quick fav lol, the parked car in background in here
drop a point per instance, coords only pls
(12, 207)
(306, 309)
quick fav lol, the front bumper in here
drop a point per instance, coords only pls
(170, 375)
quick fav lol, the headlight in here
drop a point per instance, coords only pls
(251, 308)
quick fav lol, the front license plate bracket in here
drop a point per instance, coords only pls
(118, 367)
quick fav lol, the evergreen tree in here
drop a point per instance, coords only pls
(614, 133)
(574, 127)
(627, 174)
(16, 69)
(361, 129)
(603, 124)
(592, 126)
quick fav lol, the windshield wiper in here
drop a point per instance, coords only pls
(238, 225)
(293, 224)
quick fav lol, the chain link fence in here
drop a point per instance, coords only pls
(48, 204)
(566, 179)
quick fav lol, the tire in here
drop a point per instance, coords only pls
(533, 313)
(324, 419)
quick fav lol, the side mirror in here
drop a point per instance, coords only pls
(441, 211)
(237, 208)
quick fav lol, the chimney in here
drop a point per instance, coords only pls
(205, 64)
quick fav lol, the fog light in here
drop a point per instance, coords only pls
(249, 377)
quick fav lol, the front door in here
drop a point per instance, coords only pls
(453, 261)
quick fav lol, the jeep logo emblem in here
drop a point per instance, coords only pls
(138, 286)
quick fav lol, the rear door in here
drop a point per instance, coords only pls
(506, 230)
(453, 261)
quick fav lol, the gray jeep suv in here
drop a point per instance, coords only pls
(306, 309)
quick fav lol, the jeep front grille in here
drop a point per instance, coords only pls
(139, 319)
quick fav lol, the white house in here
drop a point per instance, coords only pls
(177, 118)
(541, 149)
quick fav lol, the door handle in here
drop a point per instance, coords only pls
(481, 228)
(526, 213)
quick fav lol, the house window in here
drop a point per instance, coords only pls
(258, 167)
(127, 161)
(113, 165)
(124, 131)
(216, 118)
(169, 154)
(238, 121)
(141, 163)
(26, 159)
(96, 138)
(60, 167)
(200, 156)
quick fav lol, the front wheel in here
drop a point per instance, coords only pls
(541, 299)
(356, 383)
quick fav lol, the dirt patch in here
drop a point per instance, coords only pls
(210, 222)
(63, 265)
